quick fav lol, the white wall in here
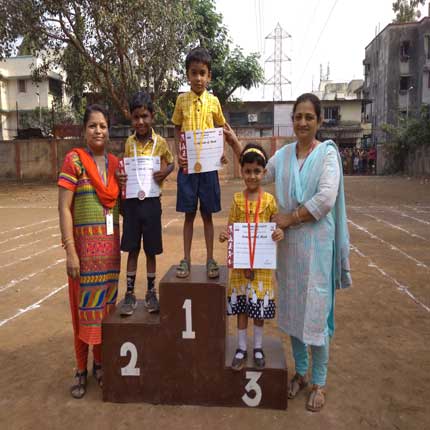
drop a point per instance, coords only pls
(282, 122)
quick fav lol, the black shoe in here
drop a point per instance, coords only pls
(259, 363)
(151, 301)
(239, 363)
(129, 304)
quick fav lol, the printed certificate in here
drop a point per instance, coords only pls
(140, 176)
(238, 246)
(211, 150)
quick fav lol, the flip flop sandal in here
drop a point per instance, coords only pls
(212, 269)
(183, 270)
(78, 390)
(98, 374)
(297, 384)
(316, 391)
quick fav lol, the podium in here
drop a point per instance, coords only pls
(183, 356)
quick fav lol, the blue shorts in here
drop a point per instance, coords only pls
(198, 186)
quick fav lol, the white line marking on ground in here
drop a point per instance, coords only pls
(409, 216)
(170, 222)
(29, 256)
(393, 247)
(20, 246)
(29, 225)
(28, 234)
(33, 306)
(395, 226)
(14, 282)
(402, 288)
(28, 207)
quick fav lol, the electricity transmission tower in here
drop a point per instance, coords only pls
(277, 58)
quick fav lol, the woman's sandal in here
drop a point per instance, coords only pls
(98, 374)
(183, 270)
(80, 388)
(297, 384)
(316, 399)
(212, 269)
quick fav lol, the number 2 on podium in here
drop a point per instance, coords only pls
(188, 333)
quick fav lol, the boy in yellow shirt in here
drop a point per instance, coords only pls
(142, 216)
(197, 109)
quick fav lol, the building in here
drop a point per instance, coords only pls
(19, 94)
(397, 74)
(260, 118)
(342, 110)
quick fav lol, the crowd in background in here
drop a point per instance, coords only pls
(357, 161)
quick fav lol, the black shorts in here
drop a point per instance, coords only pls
(142, 220)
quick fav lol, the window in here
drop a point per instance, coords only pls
(405, 48)
(55, 88)
(427, 45)
(21, 86)
(331, 113)
(238, 118)
(405, 83)
(265, 118)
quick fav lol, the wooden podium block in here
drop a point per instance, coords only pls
(182, 355)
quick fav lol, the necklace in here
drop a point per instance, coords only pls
(249, 273)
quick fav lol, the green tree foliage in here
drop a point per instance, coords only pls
(111, 49)
(410, 135)
(407, 10)
(231, 68)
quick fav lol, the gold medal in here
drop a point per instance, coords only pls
(197, 167)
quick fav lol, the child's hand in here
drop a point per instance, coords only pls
(278, 234)
(121, 178)
(160, 175)
(182, 161)
(224, 159)
(230, 135)
(223, 236)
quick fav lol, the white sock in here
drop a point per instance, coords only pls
(242, 341)
(258, 340)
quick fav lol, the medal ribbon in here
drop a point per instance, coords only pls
(314, 144)
(201, 125)
(154, 144)
(257, 209)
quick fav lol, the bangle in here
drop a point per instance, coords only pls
(66, 242)
(296, 216)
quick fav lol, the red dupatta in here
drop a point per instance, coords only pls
(107, 194)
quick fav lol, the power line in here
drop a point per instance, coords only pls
(308, 26)
(318, 40)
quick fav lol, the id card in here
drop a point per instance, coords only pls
(109, 223)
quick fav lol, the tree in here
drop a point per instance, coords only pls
(407, 10)
(122, 45)
(231, 69)
(114, 48)
(405, 138)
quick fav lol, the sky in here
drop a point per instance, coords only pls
(333, 32)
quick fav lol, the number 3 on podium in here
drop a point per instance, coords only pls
(188, 333)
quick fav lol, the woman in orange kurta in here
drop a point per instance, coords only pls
(89, 222)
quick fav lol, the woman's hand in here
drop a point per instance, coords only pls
(223, 236)
(278, 234)
(283, 221)
(121, 178)
(230, 135)
(224, 159)
(72, 264)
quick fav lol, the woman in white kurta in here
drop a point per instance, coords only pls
(313, 257)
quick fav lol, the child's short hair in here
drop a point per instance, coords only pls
(141, 99)
(198, 55)
(253, 152)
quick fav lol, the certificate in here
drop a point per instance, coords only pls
(140, 176)
(208, 155)
(238, 246)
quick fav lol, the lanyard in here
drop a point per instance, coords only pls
(201, 125)
(257, 209)
(314, 144)
(154, 144)
(104, 177)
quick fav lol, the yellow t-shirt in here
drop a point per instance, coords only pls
(190, 104)
(145, 149)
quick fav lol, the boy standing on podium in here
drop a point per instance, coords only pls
(197, 110)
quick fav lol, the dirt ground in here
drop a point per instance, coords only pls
(379, 370)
